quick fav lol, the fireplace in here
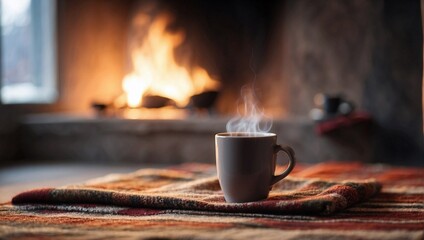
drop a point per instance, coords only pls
(179, 56)
(115, 56)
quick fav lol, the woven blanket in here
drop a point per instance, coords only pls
(186, 203)
(196, 187)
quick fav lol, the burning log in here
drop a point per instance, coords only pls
(154, 101)
(204, 100)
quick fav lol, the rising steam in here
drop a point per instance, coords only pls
(251, 119)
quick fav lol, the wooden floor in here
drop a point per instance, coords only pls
(16, 179)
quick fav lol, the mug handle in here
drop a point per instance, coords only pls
(292, 161)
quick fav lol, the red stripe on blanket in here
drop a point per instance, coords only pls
(35, 196)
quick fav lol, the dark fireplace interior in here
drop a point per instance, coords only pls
(367, 53)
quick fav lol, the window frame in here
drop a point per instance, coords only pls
(46, 65)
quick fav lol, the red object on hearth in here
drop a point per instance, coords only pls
(342, 121)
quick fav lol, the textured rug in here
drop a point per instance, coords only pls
(196, 187)
(330, 200)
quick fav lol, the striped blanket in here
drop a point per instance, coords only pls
(330, 200)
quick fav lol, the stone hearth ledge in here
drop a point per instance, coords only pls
(47, 137)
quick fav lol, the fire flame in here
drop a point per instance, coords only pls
(156, 72)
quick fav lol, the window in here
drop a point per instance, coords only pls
(28, 63)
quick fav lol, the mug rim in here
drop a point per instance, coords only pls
(244, 135)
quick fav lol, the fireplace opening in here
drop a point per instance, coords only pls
(155, 71)
(157, 79)
(194, 58)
